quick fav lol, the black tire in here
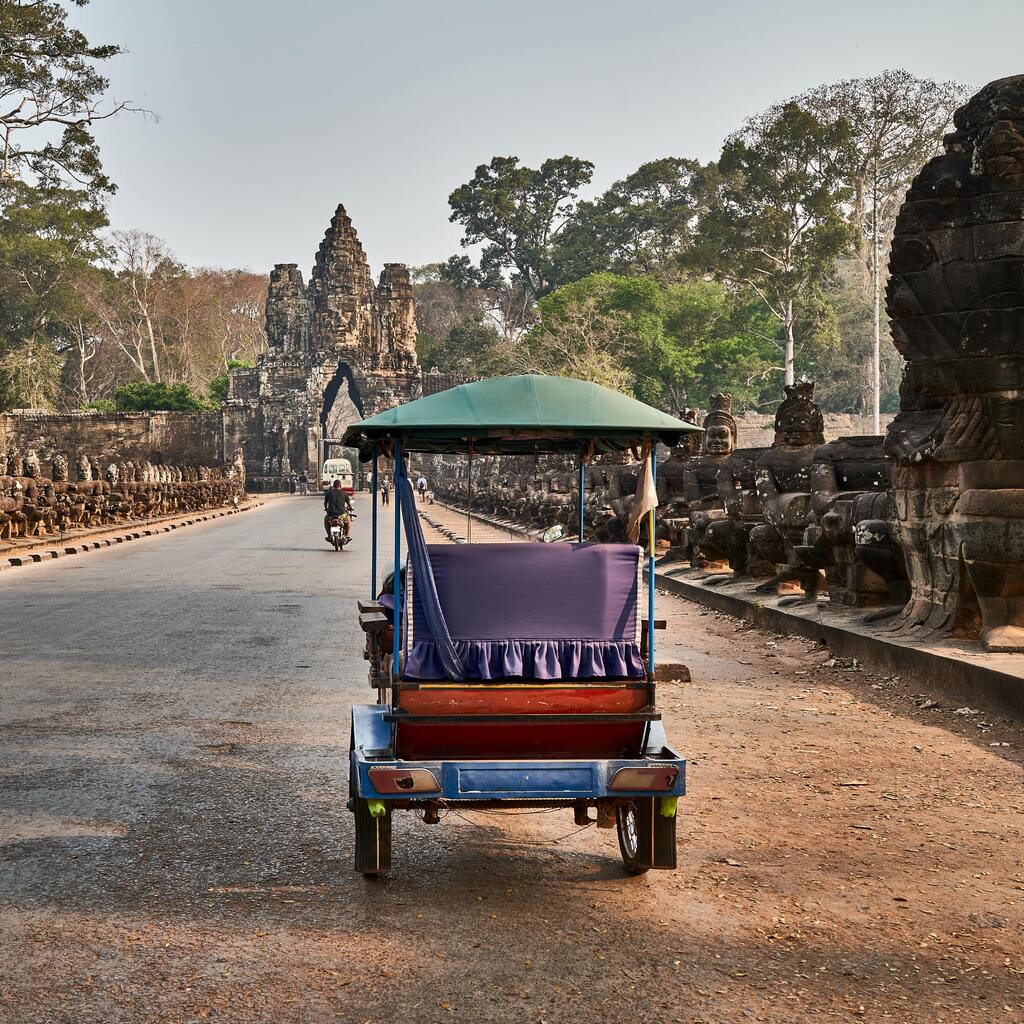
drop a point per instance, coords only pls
(647, 839)
(373, 839)
(632, 822)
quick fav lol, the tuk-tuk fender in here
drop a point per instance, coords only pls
(554, 779)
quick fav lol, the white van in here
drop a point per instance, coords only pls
(337, 469)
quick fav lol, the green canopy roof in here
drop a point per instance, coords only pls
(513, 415)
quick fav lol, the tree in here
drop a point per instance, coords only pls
(517, 212)
(669, 344)
(150, 396)
(636, 227)
(897, 121)
(470, 347)
(773, 223)
(218, 386)
(50, 96)
(48, 238)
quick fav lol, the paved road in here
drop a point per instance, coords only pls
(174, 844)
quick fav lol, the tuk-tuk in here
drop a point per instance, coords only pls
(515, 675)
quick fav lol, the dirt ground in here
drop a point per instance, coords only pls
(174, 844)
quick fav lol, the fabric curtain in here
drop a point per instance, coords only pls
(423, 575)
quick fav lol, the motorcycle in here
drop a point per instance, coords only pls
(337, 533)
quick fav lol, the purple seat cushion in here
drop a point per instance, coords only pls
(534, 611)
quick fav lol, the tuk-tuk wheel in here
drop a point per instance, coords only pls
(373, 838)
(634, 820)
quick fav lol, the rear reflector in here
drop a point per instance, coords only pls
(655, 779)
(404, 780)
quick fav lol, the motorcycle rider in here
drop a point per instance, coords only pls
(337, 505)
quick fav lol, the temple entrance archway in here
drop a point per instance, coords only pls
(341, 406)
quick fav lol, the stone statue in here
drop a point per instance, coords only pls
(705, 499)
(783, 477)
(31, 464)
(956, 305)
(113, 472)
(84, 467)
(60, 468)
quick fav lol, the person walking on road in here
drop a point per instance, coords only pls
(385, 491)
(303, 483)
(421, 486)
(293, 481)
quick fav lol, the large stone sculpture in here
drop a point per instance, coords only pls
(340, 340)
(849, 536)
(956, 305)
(783, 477)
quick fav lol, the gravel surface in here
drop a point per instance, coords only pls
(174, 844)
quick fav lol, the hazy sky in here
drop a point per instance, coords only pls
(271, 112)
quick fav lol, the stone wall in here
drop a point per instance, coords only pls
(757, 429)
(179, 438)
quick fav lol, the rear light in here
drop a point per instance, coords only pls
(656, 778)
(404, 780)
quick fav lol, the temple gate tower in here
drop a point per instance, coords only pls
(339, 348)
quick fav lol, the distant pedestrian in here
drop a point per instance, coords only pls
(421, 486)
(293, 482)
(303, 483)
(385, 491)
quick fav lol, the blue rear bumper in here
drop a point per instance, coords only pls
(477, 780)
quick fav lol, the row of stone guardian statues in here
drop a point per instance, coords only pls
(801, 518)
(930, 519)
(802, 512)
(36, 504)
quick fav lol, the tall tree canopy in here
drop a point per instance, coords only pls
(897, 122)
(636, 227)
(774, 223)
(51, 93)
(517, 213)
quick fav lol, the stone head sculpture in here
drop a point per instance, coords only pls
(31, 463)
(60, 468)
(719, 426)
(798, 421)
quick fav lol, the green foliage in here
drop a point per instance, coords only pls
(147, 396)
(470, 348)
(774, 224)
(102, 405)
(51, 87)
(637, 226)
(218, 386)
(672, 345)
(517, 213)
(48, 236)
(30, 376)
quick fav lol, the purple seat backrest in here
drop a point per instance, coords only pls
(535, 591)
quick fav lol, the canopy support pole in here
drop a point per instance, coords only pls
(396, 643)
(469, 496)
(373, 531)
(650, 567)
(582, 491)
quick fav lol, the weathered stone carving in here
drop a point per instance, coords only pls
(956, 306)
(340, 333)
(783, 477)
(850, 536)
